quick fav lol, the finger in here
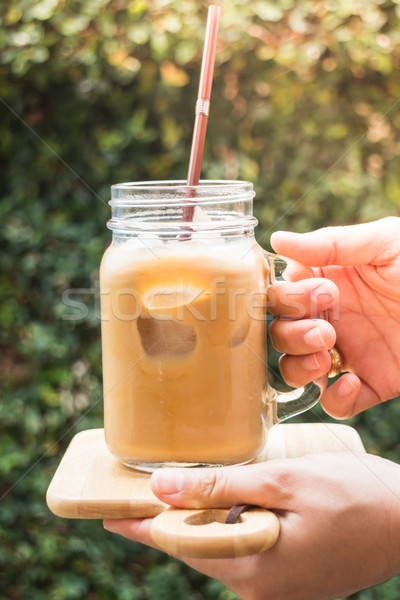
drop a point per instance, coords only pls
(137, 530)
(306, 298)
(301, 337)
(371, 243)
(348, 396)
(294, 270)
(265, 484)
(222, 569)
(300, 370)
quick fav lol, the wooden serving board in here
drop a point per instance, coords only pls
(91, 484)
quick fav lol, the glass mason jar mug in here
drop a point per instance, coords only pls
(183, 303)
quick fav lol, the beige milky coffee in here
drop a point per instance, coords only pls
(183, 338)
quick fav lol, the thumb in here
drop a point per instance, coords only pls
(265, 484)
(375, 243)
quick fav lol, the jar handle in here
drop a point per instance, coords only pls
(283, 405)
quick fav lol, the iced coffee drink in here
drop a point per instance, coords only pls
(183, 335)
(183, 305)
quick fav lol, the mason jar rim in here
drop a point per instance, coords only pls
(179, 184)
(140, 205)
(176, 193)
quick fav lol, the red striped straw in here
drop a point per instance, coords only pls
(202, 104)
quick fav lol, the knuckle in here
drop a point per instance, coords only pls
(392, 222)
(278, 483)
(331, 245)
(212, 485)
(283, 480)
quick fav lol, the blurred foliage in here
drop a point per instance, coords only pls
(94, 92)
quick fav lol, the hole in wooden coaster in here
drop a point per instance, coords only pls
(211, 515)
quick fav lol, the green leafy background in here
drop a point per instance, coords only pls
(93, 92)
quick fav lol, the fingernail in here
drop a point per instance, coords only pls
(168, 481)
(314, 338)
(345, 387)
(310, 363)
(109, 526)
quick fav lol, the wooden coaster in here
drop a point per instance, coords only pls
(91, 484)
